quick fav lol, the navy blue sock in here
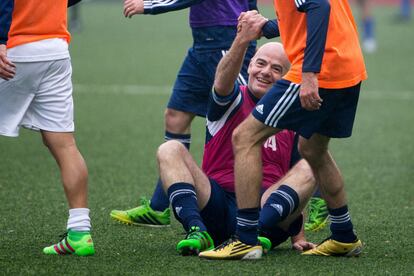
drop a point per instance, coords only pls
(247, 223)
(185, 139)
(183, 200)
(159, 200)
(341, 225)
(280, 204)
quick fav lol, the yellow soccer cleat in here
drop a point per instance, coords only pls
(331, 247)
(233, 249)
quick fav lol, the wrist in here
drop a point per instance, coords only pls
(241, 41)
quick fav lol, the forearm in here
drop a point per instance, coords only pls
(6, 11)
(163, 6)
(317, 21)
(229, 67)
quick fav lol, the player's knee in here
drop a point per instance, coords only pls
(305, 172)
(239, 139)
(177, 121)
(170, 151)
(309, 152)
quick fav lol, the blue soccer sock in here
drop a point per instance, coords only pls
(406, 9)
(280, 204)
(369, 25)
(183, 200)
(247, 224)
(185, 139)
(159, 200)
(341, 225)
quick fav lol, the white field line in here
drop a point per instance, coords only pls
(403, 95)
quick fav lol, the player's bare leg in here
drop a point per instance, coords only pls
(188, 190)
(248, 139)
(72, 166)
(74, 175)
(343, 240)
(327, 174)
(177, 165)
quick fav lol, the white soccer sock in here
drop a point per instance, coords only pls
(79, 219)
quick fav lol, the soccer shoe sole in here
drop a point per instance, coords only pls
(133, 223)
(254, 254)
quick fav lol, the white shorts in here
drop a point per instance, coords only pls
(39, 97)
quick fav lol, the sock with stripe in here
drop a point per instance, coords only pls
(159, 201)
(183, 200)
(280, 204)
(79, 220)
(341, 225)
(247, 223)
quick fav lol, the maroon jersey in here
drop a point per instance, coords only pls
(223, 116)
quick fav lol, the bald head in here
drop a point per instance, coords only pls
(275, 51)
(267, 66)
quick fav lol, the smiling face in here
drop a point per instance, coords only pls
(267, 66)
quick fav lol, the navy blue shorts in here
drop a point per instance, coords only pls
(195, 79)
(219, 216)
(281, 108)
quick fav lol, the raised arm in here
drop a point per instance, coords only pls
(7, 68)
(249, 28)
(132, 7)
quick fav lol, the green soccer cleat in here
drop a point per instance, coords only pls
(330, 247)
(266, 244)
(318, 215)
(73, 242)
(234, 249)
(195, 242)
(143, 215)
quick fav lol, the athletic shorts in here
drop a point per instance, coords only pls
(281, 108)
(39, 97)
(219, 216)
(195, 79)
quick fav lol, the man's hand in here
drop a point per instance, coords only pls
(309, 95)
(7, 68)
(302, 245)
(250, 25)
(132, 7)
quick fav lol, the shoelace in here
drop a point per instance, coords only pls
(193, 233)
(313, 210)
(63, 236)
(226, 243)
(144, 201)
